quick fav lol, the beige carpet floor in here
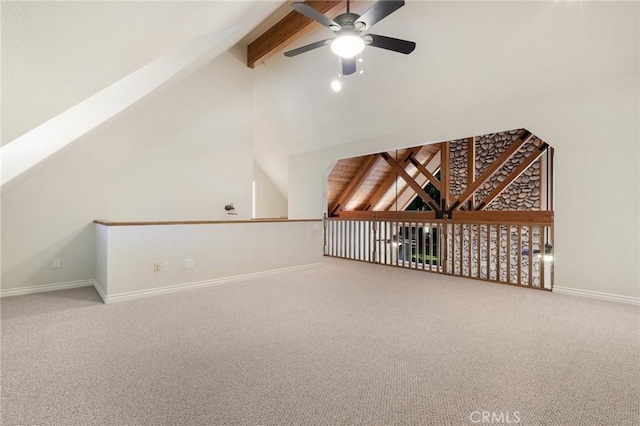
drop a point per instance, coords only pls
(345, 344)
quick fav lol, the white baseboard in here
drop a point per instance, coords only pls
(21, 291)
(103, 296)
(629, 300)
(187, 286)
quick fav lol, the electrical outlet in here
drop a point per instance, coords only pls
(157, 267)
(189, 263)
(57, 263)
(165, 266)
(290, 252)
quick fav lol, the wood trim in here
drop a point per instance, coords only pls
(385, 215)
(389, 180)
(478, 251)
(550, 193)
(498, 235)
(422, 169)
(544, 217)
(200, 222)
(414, 185)
(530, 251)
(445, 172)
(471, 168)
(537, 153)
(541, 218)
(352, 187)
(519, 254)
(287, 31)
(403, 190)
(509, 253)
(493, 168)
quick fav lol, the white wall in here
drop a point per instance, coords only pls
(269, 201)
(219, 251)
(566, 71)
(596, 139)
(470, 57)
(181, 153)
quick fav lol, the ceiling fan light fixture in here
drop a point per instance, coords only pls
(347, 46)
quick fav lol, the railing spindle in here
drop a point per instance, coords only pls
(498, 232)
(530, 255)
(543, 244)
(509, 254)
(519, 258)
(553, 244)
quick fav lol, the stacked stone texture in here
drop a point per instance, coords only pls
(522, 194)
(489, 269)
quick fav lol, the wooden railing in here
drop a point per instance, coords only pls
(506, 247)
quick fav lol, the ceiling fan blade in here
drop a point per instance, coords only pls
(306, 48)
(348, 66)
(379, 11)
(390, 43)
(310, 12)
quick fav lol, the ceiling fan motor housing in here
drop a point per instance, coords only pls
(346, 20)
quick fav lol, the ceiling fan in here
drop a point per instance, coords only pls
(350, 29)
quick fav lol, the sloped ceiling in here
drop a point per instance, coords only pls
(470, 57)
(56, 54)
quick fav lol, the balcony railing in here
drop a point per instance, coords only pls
(514, 248)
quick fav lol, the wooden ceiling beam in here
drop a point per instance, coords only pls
(471, 168)
(286, 32)
(414, 185)
(352, 187)
(404, 189)
(513, 176)
(445, 175)
(492, 169)
(422, 169)
(390, 179)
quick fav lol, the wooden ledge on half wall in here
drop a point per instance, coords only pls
(200, 222)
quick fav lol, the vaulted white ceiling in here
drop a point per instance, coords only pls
(56, 54)
(470, 57)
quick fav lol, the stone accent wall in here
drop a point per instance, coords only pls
(522, 194)
(489, 270)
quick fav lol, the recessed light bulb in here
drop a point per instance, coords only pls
(336, 86)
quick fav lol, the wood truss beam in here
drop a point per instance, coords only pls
(352, 187)
(415, 175)
(422, 169)
(537, 153)
(471, 168)
(291, 28)
(492, 169)
(445, 175)
(404, 189)
(388, 182)
(414, 185)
